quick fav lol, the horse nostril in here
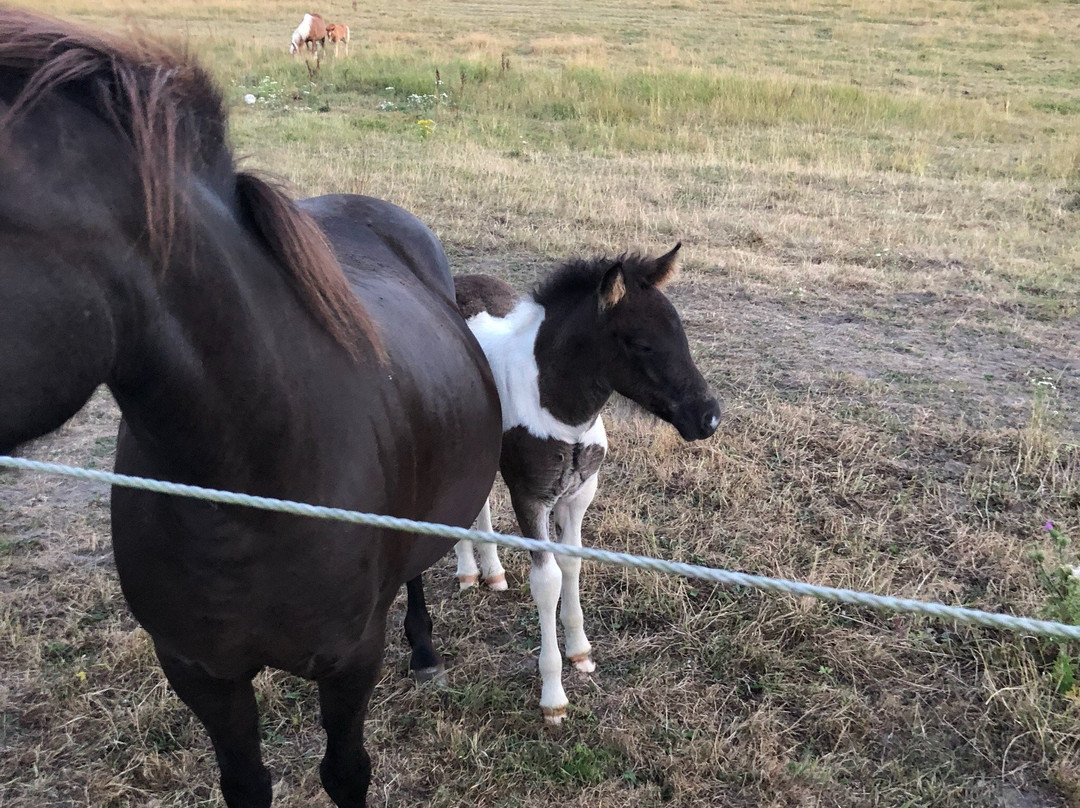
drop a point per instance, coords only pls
(710, 419)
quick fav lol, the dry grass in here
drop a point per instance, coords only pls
(878, 202)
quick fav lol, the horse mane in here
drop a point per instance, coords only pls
(170, 112)
(579, 277)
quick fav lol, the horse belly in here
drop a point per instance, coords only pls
(454, 417)
(546, 469)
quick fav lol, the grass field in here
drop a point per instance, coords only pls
(879, 204)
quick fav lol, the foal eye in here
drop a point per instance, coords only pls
(639, 347)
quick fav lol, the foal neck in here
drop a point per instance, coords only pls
(572, 384)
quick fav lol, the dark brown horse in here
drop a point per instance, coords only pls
(242, 356)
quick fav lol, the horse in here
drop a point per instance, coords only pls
(310, 33)
(337, 33)
(592, 328)
(246, 352)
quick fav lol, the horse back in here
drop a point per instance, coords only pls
(483, 293)
(374, 236)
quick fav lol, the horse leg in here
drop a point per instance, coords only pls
(494, 574)
(228, 711)
(346, 767)
(467, 571)
(425, 663)
(568, 515)
(545, 580)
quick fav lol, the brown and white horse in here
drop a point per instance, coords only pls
(310, 352)
(310, 33)
(593, 328)
(338, 32)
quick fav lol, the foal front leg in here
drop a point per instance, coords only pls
(568, 515)
(545, 581)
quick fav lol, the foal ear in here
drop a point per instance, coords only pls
(612, 287)
(665, 268)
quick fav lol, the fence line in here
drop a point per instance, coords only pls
(1022, 625)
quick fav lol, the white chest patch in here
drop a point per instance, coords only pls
(509, 345)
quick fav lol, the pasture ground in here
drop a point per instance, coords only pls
(879, 205)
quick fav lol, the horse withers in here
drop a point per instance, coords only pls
(591, 329)
(246, 353)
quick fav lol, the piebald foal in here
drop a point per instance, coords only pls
(593, 328)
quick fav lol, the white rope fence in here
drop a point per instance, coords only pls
(1021, 625)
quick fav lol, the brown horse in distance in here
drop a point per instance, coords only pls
(309, 34)
(337, 33)
(246, 353)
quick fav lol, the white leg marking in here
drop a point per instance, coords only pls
(494, 574)
(467, 572)
(545, 579)
(568, 515)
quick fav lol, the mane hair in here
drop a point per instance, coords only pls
(579, 277)
(171, 114)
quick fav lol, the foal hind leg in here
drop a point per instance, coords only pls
(568, 515)
(346, 767)
(467, 572)
(425, 663)
(494, 574)
(228, 711)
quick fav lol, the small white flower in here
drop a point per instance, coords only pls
(249, 98)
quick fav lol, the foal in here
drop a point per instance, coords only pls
(593, 328)
(338, 32)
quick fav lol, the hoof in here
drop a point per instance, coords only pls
(436, 676)
(467, 581)
(553, 715)
(583, 663)
(496, 583)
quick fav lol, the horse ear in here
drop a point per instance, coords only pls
(665, 268)
(612, 287)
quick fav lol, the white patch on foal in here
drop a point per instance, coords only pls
(509, 344)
